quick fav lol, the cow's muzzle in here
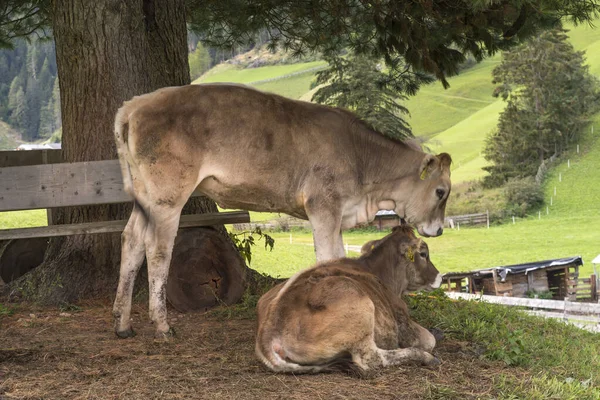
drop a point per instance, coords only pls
(430, 231)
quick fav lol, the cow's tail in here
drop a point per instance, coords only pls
(121, 140)
(271, 353)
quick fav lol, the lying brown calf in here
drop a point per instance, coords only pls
(349, 310)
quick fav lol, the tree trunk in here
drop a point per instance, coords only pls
(107, 51)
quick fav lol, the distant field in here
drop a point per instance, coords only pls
(23, 219)
(464, 250)
(433, 109)
(7, 137)
(229, 73)
(465, 142)
(293, 87)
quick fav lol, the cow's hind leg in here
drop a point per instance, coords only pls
(159, 240)
(370, 356)
(132, 257)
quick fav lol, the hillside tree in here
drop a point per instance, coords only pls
(108, 51)
(549, 93)
(200, 61)
(361, 84)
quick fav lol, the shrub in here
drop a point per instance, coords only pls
(522, 195)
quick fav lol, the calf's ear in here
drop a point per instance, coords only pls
(428, 165)
(407, 251)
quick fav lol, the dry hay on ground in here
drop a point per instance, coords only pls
(77, 356)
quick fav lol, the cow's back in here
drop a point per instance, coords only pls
(256, 149)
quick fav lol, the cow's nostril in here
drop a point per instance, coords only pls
(439, 232)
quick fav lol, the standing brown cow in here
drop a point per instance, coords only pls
(260, 152)
(349, 310)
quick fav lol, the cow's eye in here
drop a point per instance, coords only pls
(423, 254)
(440, 193)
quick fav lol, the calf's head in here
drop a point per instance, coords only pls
(401, 261)
(425, 205)
(421, 274)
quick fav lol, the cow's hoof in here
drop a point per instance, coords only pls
(165, 336)
(437, 334)
(126, 333)
(433, 362)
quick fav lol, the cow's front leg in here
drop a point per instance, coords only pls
(416, 336)
(327, 235)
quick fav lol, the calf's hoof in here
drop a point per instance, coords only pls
(126, 333)
(437, 334)
(433, 362)
(169, 334)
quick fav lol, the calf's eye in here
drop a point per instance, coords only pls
(440, 193)
(424, 255)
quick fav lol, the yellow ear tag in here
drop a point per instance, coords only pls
(424, 174)
(372, 246)
(410, 256)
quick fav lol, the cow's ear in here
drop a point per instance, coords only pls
(445, 161)
(428, 165)
(408, 252)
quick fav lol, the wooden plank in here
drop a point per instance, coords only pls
(187, 221)
(60, 185)
(590, 308)
(57, 185)
(15, 158)
(573, 317)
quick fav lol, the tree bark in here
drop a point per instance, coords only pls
(107, 51)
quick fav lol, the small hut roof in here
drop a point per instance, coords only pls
(518, 268)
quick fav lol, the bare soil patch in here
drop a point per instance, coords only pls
(46, 355)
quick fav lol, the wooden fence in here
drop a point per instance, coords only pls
(583, 315)
(456, 221)
(584, 289)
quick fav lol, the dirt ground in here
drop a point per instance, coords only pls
(44, 354)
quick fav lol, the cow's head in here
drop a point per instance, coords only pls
(421, 274)
(425, 205)
(401, 261)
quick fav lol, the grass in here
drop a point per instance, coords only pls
(23, 219)
(564, 361)
(8, 137)
(293, 87)
(229, 73)
(464, 250)
(433, 109)
(465, 142)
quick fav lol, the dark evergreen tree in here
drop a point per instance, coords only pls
(549, 92)
(362, 85)
(19, 111)
(200, 61)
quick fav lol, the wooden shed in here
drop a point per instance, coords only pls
(557, 278)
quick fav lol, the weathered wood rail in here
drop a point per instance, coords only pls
(584, 288)
(584, 315)
(55, 184)
(467, 219)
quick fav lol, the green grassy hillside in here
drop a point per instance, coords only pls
(433, 109)
(8, 137)
(231, 73)
(460, 122)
